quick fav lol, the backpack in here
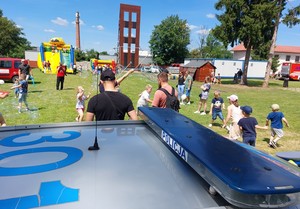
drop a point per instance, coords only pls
(172, 100)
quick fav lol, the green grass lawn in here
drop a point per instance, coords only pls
(51, 106)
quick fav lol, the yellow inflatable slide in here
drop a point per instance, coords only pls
(52, 53)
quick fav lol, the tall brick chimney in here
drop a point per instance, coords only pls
(77, 31)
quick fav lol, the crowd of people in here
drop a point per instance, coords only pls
(241, 123)
(111, 104)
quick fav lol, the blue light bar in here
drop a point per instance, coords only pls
(243, 175)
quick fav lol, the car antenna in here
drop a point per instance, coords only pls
(96, 146)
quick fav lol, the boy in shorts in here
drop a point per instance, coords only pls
(23, 90)
(276, 119)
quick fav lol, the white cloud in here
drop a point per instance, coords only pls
(203, 31)
(98, 27)
(60, 21)
(211, 16)
(49, 30)
(81, 22)
(192, 27)
(19, 26)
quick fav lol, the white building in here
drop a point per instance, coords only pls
(227, 68)
(284, 53)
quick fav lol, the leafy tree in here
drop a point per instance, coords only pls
(169, 41)
(267, 50)
(214, 49)
(195, 53)
(275, 64)
(211, 48)
(292, 17)
(261, 52)
(12, 41)
(80, 55)
(103, 53)
(202, 42)
(249, 22)
(92, 54)
(198, 52)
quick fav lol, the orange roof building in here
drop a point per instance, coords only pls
(278, 49)
(284, 53)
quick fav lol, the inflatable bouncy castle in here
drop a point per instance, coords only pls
(52, 53)
(100, 63)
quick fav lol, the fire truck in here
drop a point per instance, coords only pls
(291, 70)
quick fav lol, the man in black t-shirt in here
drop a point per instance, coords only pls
(111, 104)
(24, 68)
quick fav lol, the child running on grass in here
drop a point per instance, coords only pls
(81, 97)
(276, 119)
(144, 98)
(217, 104)
(248, 126)
(204, 96)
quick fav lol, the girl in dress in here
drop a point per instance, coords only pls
(81, 97)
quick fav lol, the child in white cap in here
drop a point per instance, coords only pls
(276, 119)
(234, 114)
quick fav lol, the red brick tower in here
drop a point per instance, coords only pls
(77, 31)
(129, 35)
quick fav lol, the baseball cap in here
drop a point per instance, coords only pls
(233, 97)
(275, 107)
(80, 87)
(108, 75)
(247, 109)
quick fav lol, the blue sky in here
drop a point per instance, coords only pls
(44, 19)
